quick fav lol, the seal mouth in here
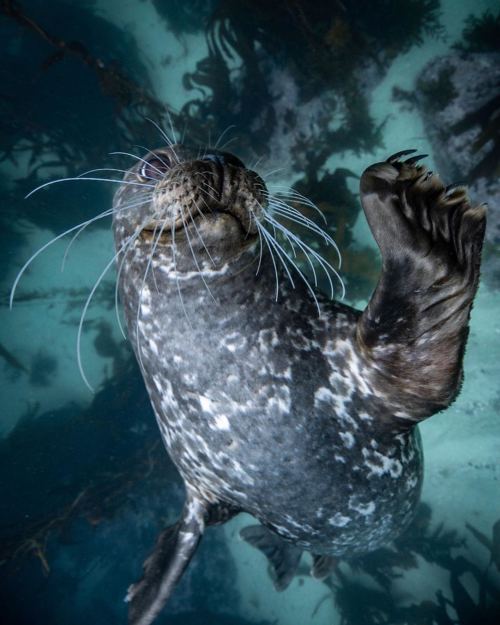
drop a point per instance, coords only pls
(161, 232)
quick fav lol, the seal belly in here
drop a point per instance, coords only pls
(248, 423)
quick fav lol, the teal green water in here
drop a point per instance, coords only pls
(308, 95)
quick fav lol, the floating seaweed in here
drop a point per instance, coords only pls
(94, 485)
(43, 367)
(438, 92)
(45, 76)
(185, 16)
(85, 486)
(492, 544)
(481, 34)
(487, 117)
(324, 47)
(12, 360)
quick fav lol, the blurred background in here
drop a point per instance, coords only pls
(308, 94)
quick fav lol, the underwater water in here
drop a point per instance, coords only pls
(309, 95)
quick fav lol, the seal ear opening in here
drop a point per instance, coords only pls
(283, 557)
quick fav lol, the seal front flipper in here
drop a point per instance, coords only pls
(415, 326)
(283, 557)
(164, 567)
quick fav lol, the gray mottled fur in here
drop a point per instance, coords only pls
(297, 418)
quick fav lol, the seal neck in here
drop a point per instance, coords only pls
(182, 282)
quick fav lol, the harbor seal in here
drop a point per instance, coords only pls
(304, 419)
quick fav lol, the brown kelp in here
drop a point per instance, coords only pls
(46, 74)
(481, 33)
(322, 46)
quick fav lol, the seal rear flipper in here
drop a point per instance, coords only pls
(323, 566)
(164, 567)
(414, 329)
(283, 557)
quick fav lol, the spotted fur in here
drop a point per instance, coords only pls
(305, 421)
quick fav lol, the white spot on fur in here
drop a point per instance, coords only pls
(365, 509)
(380, 465)
(222, 422)
(347, 438)
(323, 394)
(339, 520)
(153, 346)
(207, 405)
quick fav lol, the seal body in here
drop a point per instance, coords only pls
(304, 420)
(268, 407)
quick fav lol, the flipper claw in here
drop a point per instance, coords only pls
(453, 187)
(414, 159)
(395, 157)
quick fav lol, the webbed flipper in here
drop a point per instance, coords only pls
(283, 556)
(164, 567)
(414, 329)
(323, 566)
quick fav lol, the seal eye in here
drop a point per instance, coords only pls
(154, 167)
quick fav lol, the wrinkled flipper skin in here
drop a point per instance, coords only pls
(164, 567)
(323, 566)
(414, 329)
(283, 557)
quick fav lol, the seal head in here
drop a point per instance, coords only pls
(210, 201)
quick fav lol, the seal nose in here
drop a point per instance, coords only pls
(218, 159)
(224, 158)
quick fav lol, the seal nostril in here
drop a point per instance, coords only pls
(224, 158)
(218, 178)
(215, 158)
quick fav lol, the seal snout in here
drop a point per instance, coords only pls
(188, 190)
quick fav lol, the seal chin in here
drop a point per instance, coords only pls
(221, 229)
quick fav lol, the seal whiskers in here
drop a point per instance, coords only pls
(186, 232)
(292, 239)
(79, 228)
(122, 249)
(84, 225)
(181, 299)
(93, 179)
